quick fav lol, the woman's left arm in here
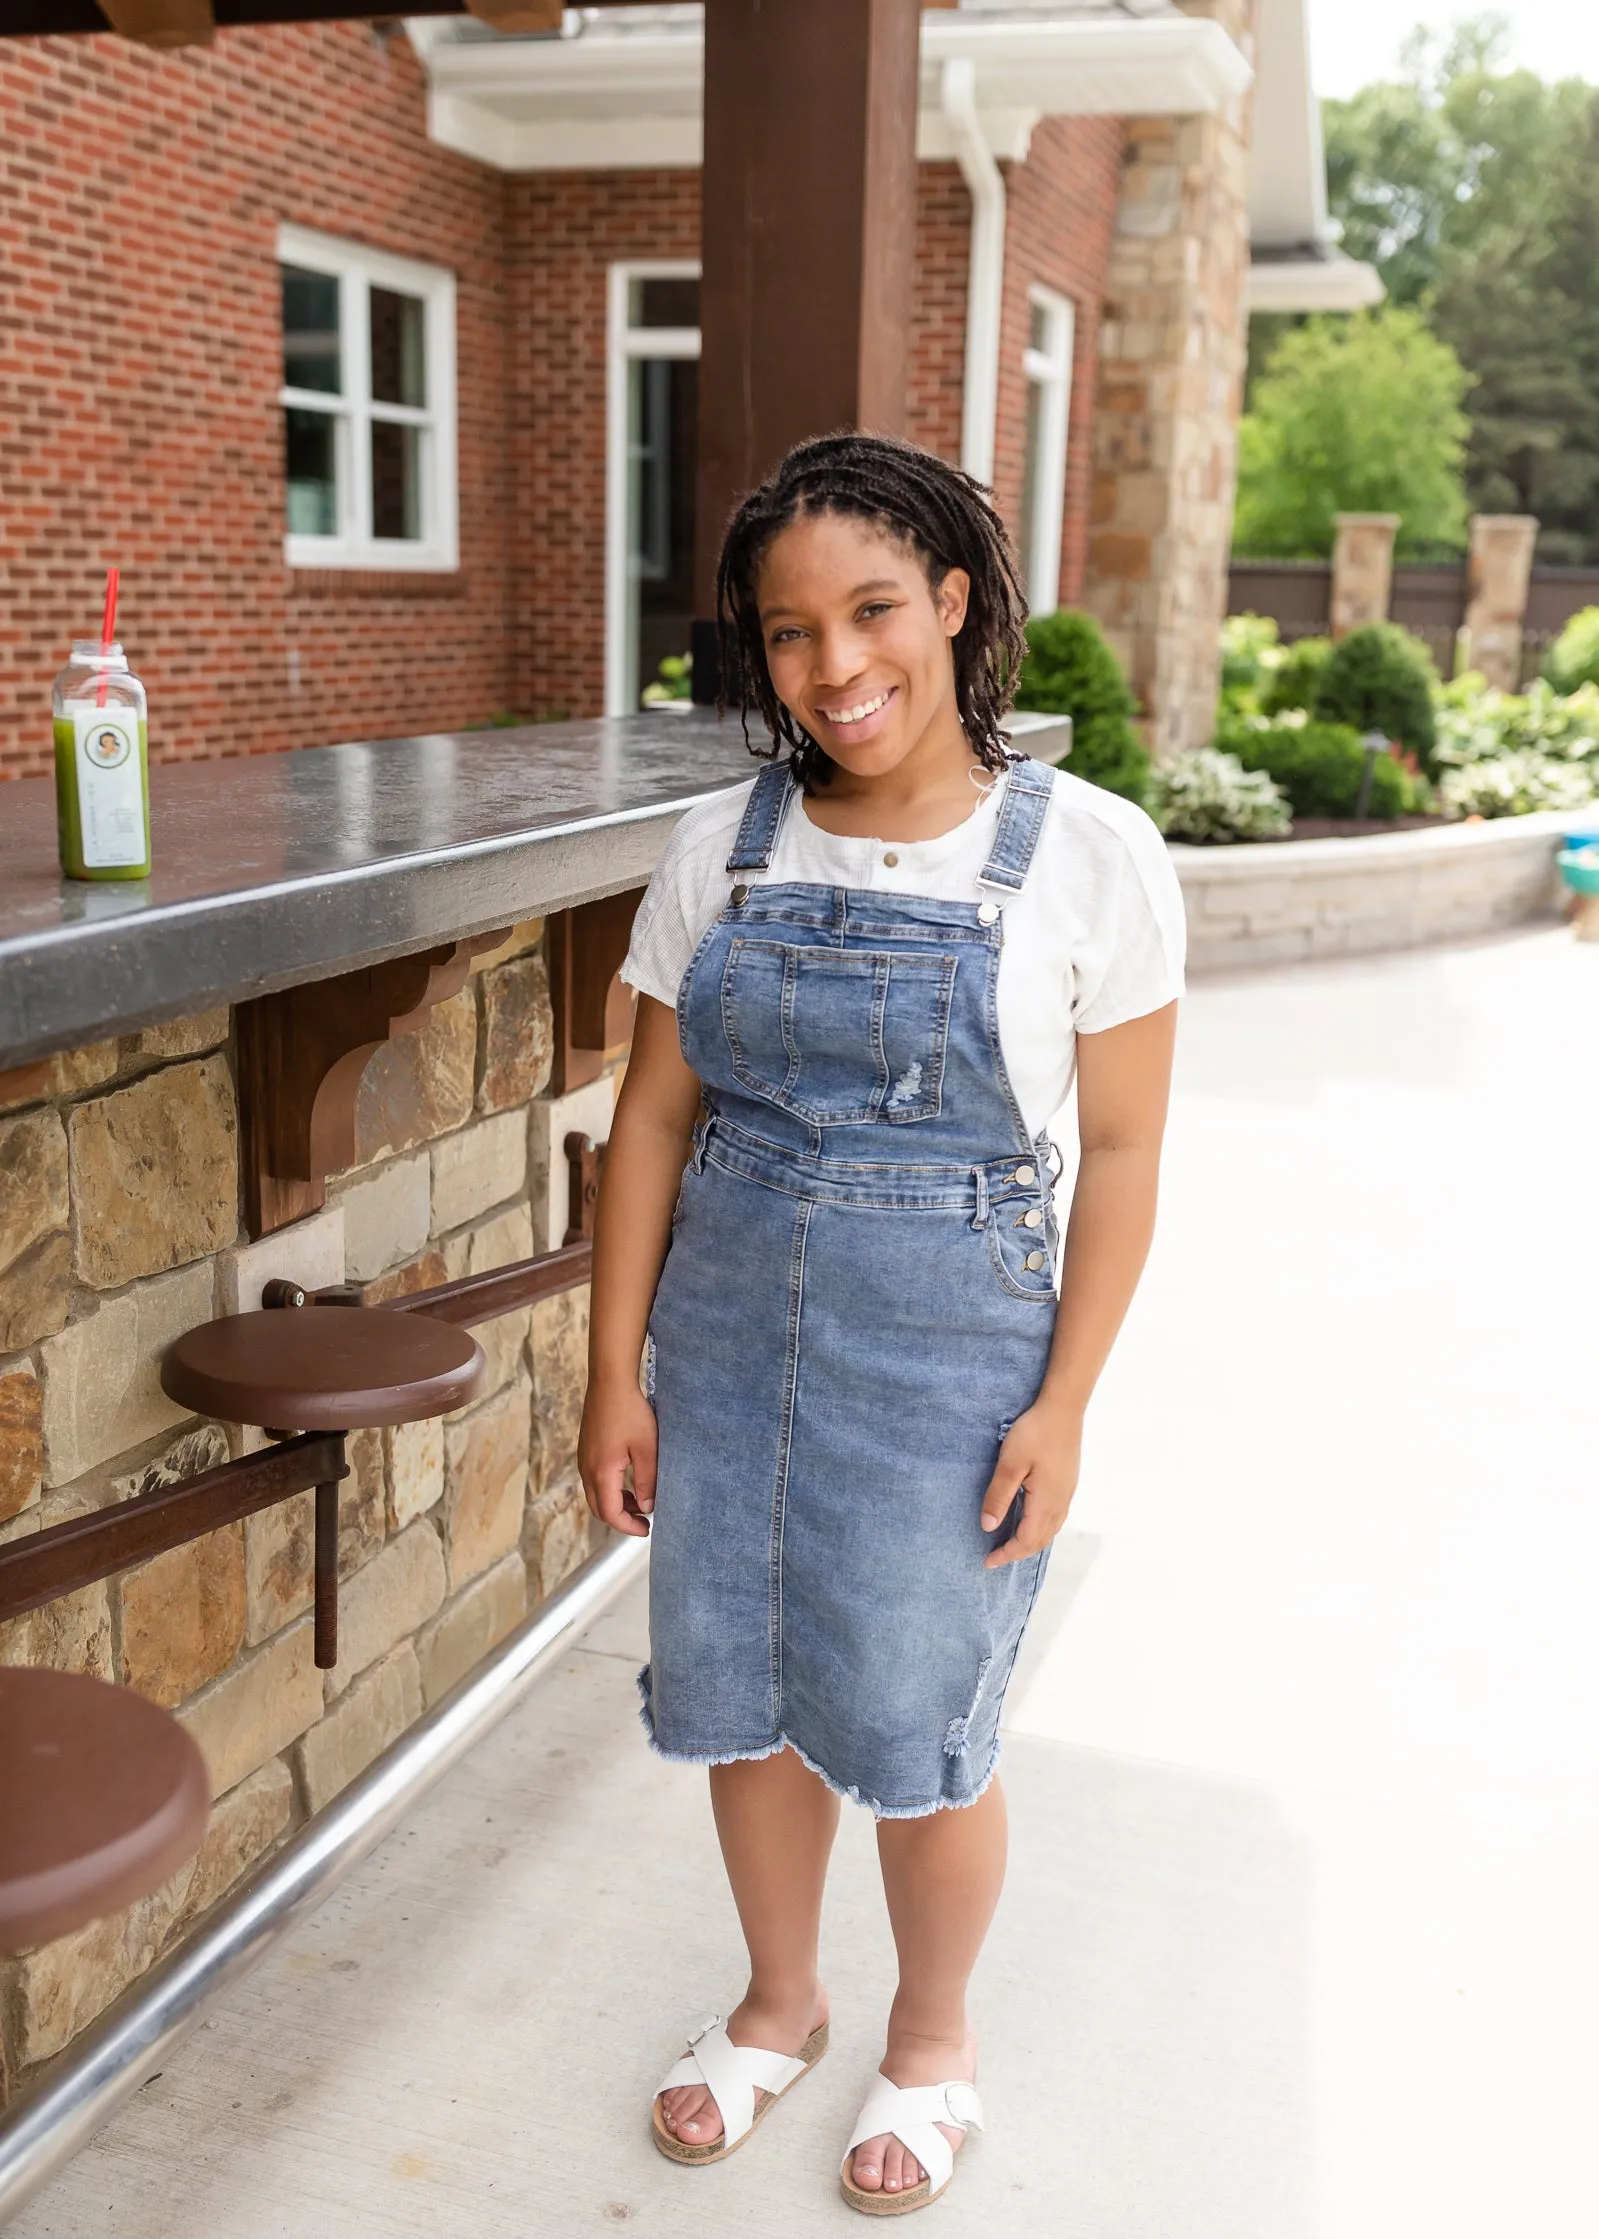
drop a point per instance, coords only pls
(1123, 1084)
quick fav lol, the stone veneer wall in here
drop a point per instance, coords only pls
(1171, 370)
(119, 1228)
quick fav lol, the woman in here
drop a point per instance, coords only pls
(863, 992)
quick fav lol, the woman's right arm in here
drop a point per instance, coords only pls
(632, 1226)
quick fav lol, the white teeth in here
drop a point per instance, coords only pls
(857, 714)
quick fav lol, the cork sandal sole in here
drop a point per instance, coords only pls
(893, 2203)
(719, 2150)
(912, 2114)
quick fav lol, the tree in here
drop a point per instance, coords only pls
(1352, 415)
(1475, 192)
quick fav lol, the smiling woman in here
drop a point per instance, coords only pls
(866, 981)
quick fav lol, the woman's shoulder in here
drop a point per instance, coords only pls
(703, 835)
(1085, 818)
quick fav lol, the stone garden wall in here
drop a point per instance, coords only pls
(1273, 902)
(119, 1228)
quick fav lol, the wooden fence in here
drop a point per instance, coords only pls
(1431, 601)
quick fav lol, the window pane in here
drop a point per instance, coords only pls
(1032, 496)
(310, 330)
(310, 444)
(397, 364)
(396, 480)
(1038, 334)
(664, 303)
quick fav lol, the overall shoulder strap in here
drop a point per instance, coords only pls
(1028, 786)
(763, 818)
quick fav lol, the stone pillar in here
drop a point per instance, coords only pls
(1497, 574)
(1170, 387)
(1362, 569)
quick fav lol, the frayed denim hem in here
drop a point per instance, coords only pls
(784, 1741)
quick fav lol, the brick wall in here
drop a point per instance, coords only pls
(139, 368)
(563, 231)
(119, 1229)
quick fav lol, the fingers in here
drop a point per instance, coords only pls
(1031, 1536)
(1003, 1487)
(604, 1487)
(642, 1453)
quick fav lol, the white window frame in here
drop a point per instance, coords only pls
(624, 343)
(1049, 371)
(357, 270)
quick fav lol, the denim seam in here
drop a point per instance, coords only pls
(1038, 1298)
(796, 1286)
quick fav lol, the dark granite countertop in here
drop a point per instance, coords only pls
(280, 868)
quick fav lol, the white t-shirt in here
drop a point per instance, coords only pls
(1095, 937)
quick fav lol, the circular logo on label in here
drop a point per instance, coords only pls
(109, 749)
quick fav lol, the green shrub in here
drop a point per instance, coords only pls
(674, 680)
(1319, 766)
(1475, 722)
(1294, 681)
(1070, 670)
(1573, 659)
(1380, 678)
(1205, 795)
(1250, 655)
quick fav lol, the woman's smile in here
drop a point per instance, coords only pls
(860, 718)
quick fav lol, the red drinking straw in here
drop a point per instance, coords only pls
(108, 626)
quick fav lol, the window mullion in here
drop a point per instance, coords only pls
(358, 388)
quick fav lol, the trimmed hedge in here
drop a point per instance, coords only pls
(1070, 670)
(1380, 678)
(1319, 766)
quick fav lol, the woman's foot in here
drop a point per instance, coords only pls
(690, 2113)
(883, 2164)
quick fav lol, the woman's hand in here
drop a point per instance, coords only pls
(1041, 1457)
(618, 1431)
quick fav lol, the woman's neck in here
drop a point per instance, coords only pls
(931, 791)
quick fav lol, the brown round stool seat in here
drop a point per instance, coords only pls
(105, 1796)
(324, 1368)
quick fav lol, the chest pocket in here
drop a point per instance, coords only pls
(838, 1036)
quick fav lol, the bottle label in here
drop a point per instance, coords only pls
(110, 784)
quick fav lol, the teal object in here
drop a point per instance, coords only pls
(1579, 866)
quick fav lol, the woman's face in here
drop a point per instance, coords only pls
(858, 643)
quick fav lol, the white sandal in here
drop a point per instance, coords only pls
(912, 2115)
(744, 2082)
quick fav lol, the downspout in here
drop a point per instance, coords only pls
(985, 269)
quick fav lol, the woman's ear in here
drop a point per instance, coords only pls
(952, 599)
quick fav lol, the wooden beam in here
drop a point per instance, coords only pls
(809, 224)
(162, 24)
(593, 1010)
(32, 19)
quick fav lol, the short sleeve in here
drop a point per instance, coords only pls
(680, 901)
(1134, 961)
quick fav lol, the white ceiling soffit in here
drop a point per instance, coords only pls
(630, 100)
(1329, 282)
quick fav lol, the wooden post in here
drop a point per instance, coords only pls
(809, 186)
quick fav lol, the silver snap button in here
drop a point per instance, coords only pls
(1024, 1177)
(1034, 1219)
(891, 859)
(1033, 1262)
(987, 913)
(741, 894)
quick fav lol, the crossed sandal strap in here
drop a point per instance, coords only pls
(911, 2114)
(732, 2074)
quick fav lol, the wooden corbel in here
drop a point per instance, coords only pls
(519, 15)
(162, 24)
(593, 1010)
(299, 1058)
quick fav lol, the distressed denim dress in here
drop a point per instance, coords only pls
(857, 1302)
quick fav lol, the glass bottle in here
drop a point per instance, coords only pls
(102, 765)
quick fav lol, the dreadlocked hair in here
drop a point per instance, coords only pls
(945, 517)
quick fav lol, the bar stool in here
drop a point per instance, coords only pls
(324, 1368)
(105, 1796)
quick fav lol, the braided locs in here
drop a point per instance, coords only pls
(917, 499)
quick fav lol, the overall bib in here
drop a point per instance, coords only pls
(857, 1302)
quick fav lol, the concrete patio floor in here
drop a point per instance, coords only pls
(1301, 1940)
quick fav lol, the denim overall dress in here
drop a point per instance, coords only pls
(857, 1302)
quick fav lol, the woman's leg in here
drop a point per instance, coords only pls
(776, 1822)
(942, 1877)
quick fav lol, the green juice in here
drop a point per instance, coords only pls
(103, 792)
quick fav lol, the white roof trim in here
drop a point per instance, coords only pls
(1330, 282)
(606, 101)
